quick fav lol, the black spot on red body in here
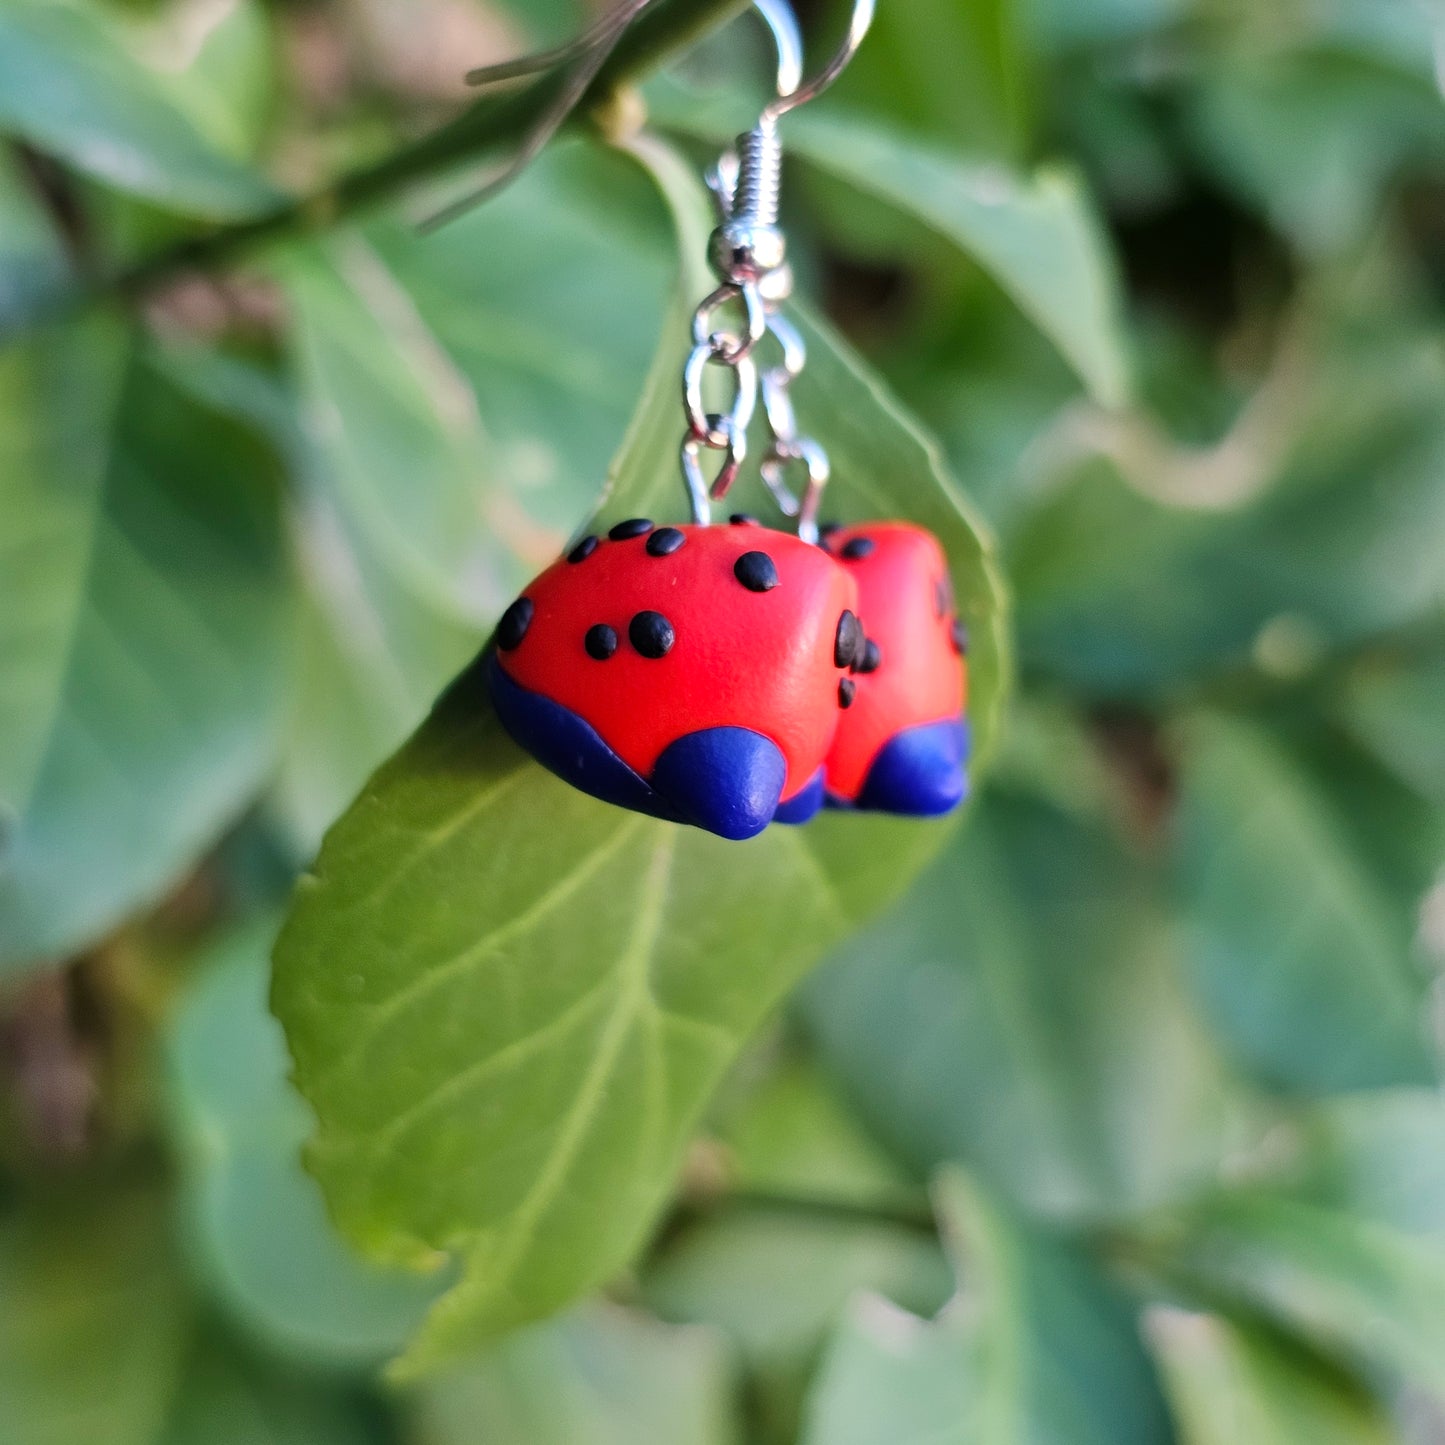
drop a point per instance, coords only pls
(828, 528)
(847, 690)
(600, 642)
(664, 542)
(583, 550)
(514, 624)
(633, 527)
(848, 644)
(651, 634)
(872, 657)
(855, 549)
(755, 570)
(744, 519)
(960, 637)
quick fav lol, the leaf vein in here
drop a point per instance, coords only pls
(634, 973)
(384, 1010)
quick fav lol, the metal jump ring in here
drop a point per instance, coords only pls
(699, 492)
(699, 419)
(808, 452)
(757, 317)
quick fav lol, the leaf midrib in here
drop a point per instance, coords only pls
(635, 973)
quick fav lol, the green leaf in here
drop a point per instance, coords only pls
(954, 72)
(398, 427)
(31, 263)
(635, 959)
(226, 1398)
(1123, 595)
(1397, 836)
(1036, 1348)
(1037, 237)
(792, 1135)
(1394, 703)
(599, 1377)
(1393, 34)
(814, 1212)
(1112, 589)
(257, 1222)
(1230, 1382)
(461, 411)
(508, 1004)
(548, 22)
(218, 65)
(1364, 1292)
(68, 86)
(52, 469)
(1344, 1246)
(371, 657)
(1380, 1158)
(142, 646)
(94, 1327)
(1302, 957)
(554, 332)
(1313, 140)
(776, 1282)
(1064, 23)
(1054, 753)
(1022, 1012)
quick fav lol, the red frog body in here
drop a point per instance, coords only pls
(901, 744)
(688, 672)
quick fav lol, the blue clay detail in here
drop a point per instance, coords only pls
(804, 806)
(727, 780)
(566, 745)
(920, 773)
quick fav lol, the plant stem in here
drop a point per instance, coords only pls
(492, 122)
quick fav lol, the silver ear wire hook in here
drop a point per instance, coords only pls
(783, 23)
(747, 246)
(748, 252)
(793, 96)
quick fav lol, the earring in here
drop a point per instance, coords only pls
(688, 672)
(698, 673)
(901, 744)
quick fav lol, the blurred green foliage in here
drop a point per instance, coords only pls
(1120, 1124)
